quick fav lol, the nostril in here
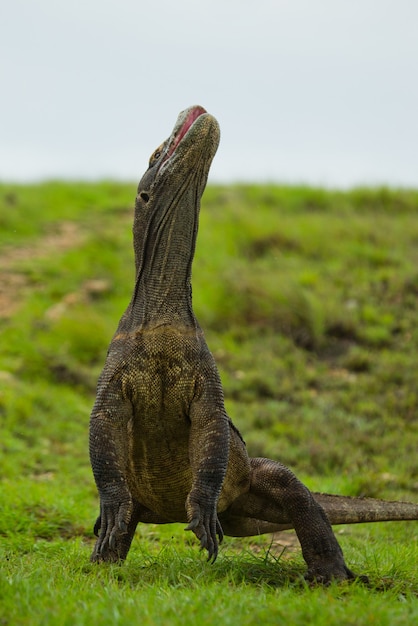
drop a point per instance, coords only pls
(144, 196)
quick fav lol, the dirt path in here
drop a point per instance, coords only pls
(13, 282)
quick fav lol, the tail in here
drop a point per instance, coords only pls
(347, 510)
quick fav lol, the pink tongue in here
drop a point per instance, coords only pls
(192, 117)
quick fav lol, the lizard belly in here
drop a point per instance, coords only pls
(161, 477)
(160, 472)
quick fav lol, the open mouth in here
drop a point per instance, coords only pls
(192, 116)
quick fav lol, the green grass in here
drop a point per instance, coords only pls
(309, 302)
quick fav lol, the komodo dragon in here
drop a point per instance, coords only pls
(162, 446)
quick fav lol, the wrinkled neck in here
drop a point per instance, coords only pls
(164, 252)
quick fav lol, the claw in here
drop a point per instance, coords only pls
(193, 524)
(219, 531)
(123, 526)
(212, 554)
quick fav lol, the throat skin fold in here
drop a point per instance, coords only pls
(162, 292)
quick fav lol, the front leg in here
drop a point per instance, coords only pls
(109, 456)
(209, 454)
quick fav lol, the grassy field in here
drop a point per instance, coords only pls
(309, 301)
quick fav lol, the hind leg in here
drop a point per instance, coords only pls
(277, 499)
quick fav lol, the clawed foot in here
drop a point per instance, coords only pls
(207, 529)
(112, 532)
(326, 573)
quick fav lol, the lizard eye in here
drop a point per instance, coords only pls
(155, 156)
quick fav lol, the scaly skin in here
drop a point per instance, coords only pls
(162, 446)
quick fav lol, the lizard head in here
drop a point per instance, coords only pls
(184, 157)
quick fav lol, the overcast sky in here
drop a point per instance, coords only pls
(311, 91)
